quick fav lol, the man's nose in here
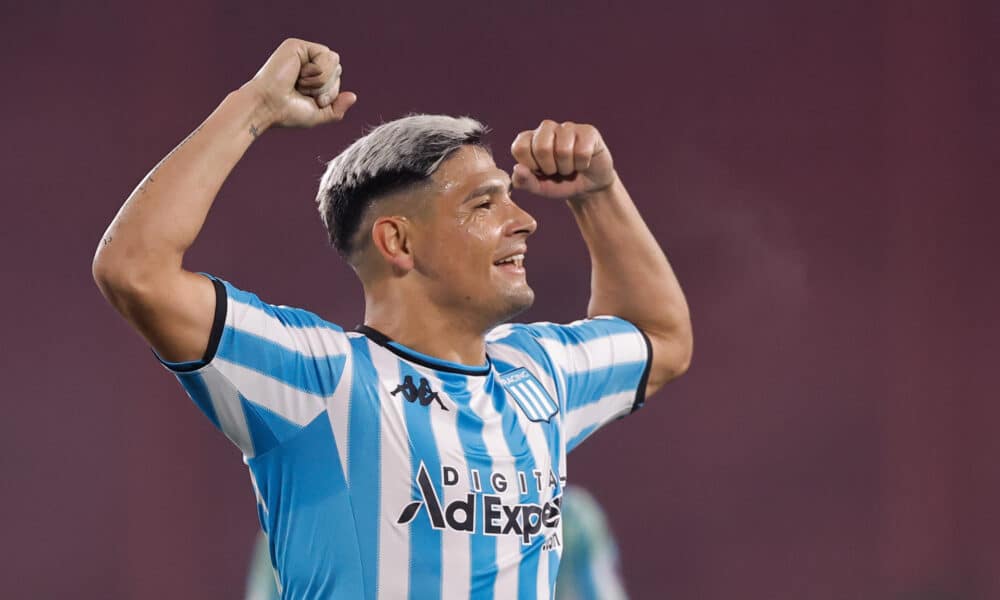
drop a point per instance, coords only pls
(521, 221)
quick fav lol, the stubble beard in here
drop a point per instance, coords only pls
(514, 303)
(484, 314)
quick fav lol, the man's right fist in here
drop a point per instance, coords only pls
(299, 86)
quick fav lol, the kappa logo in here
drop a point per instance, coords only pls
(526, 521)
(422, 393)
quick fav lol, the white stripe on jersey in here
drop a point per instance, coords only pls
(539, 446)
(339, 411)
(499, 332)
(395, 480)
(297, 406)
(228, 409)
(596, 413)
(456, 547)
(508, 547)
(600, 353)
(317, 342)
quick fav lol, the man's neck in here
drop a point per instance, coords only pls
(428, 330)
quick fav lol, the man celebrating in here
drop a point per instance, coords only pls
(422, 455)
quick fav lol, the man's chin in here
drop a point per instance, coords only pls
(517, 303)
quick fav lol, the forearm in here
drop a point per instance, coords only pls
(164, 214)
(138, 264)
(630, 275)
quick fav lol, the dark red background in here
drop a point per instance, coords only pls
(822, 175)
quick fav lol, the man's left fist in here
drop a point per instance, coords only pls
(561, 160)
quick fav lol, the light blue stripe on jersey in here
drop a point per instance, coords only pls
(194, 385)
(483, 548)
(575, 441)
(303, 487)
(267, 428)
(553, 571)
(364, 458)
(315, 375)
(517, 443)
(425, 541)
(587, 387)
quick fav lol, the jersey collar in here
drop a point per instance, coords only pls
(422, 359)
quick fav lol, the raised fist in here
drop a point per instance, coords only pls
(561, 160)
(299, 85)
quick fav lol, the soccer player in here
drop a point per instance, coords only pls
(422, 455)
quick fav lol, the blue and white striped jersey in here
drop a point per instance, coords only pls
(381, 472)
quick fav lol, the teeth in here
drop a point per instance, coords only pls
(517, 260)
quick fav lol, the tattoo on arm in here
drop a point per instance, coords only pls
(149, 178)
(254, 131)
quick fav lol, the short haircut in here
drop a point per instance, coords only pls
(390, 157)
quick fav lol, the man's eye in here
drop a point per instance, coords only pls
(486, 204)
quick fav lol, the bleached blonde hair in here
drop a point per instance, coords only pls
(397, 154)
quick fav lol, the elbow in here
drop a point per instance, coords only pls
(684, 361)
(671, 357)
(110, 273)
(121, 281)
(114, 281)
(102, 270)
(678, 357)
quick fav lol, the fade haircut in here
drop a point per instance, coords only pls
(390, 157)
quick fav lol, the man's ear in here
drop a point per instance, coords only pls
(392, 238)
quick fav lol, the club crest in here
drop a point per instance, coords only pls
(529, 394)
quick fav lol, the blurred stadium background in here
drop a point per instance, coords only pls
(823, 176)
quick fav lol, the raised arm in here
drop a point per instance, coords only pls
(630, 276)
(138, 264)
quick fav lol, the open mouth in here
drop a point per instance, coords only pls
(516, 261)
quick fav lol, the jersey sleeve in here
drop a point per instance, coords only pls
(599, 368)
(267, 372)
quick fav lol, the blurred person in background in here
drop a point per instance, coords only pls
(424, 453)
